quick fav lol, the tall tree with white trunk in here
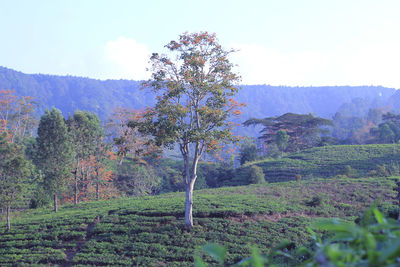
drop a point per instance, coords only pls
(194, 84)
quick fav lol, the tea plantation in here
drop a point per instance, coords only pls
(148, 231)
(330, 161)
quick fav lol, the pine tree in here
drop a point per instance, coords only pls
(54, 152)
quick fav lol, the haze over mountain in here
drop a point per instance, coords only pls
(69, 93)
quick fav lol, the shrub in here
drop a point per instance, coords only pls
(315, 201)
(256, 175)
(349, 171)
(382, 170)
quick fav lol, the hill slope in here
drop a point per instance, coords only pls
(70, 93)
(329, 161)
(149, 231)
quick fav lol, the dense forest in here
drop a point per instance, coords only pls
(69, 93)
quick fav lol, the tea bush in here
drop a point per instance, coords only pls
(149, 231)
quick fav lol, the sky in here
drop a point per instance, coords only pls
(279, 42)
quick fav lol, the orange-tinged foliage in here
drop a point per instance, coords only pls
(97, 179)
(16, 114)
(128, 140)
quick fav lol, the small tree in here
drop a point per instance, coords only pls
(193, 103)
(256, 175)
(14, 173)
(128, 140)
(282, 139)
(86, 131)
(55, 153)
(102, 174)
(16, 115)
(248, 151)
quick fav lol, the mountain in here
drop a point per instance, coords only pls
(69, 93)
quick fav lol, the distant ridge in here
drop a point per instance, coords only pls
(69, 93)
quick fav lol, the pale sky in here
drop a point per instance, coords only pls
(281, 42)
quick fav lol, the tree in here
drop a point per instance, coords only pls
(128, 140)
(389, 130)
(86, 131)
(282, 139)
(14, 173)
(101, 172)
(248, 151)
(256, 175)
(194, 102)
(16, 115)
(304, 130)
(55, 152)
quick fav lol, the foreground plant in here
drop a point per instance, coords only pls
(375, 241)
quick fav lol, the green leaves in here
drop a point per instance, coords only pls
(216, 251)
(374, 244)
(15, 171)
(193, 90)
(55, 152)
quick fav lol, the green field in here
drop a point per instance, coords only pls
(148, 231)
(328, 161)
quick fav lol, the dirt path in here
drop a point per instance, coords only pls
(71, 252)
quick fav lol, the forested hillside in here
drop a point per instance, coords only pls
(69, 93)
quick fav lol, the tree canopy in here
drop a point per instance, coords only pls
(304, 130)
(14, 173)
(55, 152)
(389, 130)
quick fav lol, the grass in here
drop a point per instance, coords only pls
(148, 231)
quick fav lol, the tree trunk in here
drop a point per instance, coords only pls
(55, 203)
(97, 191)
(188, 189)
(76, 184)
(76, 191)
(83, 189)
(398, 218)
(190, 179)
(8, 218)
(189, 206)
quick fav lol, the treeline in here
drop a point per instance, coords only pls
(294, 132)
(68, 160)
(69, 93)
(78, 158)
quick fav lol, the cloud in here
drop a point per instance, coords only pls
(372, 63)
(129, 59)
(259, 64)
(350, 64)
